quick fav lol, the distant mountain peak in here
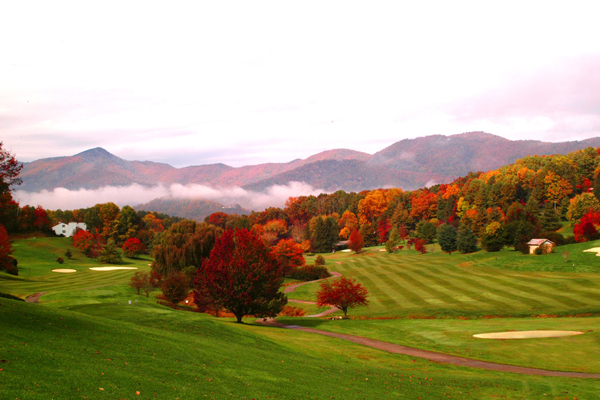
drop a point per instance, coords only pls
(95, 154)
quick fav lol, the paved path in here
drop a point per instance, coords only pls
(433, 356)
(34, 297)
(291, 288)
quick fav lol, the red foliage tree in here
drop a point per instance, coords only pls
(40, 219)
(342, 293)
(218, 219)
(6, 260)
(89, 244)
(383, 228)
(586, 229)
(289, 255)
(133, 247)
(356, 241)
(420, 245)
(242, 276)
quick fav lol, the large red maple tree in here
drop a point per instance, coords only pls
(242, 276)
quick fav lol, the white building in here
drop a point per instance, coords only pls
(69, 229)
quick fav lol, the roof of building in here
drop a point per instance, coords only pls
(539, 242)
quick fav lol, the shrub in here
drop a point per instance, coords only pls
(311, 273)
(289, 311)
(68, 254)
(60, 260)
(538, 251)
(320, 260)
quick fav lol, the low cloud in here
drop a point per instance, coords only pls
(66, 199)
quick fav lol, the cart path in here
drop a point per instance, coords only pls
(291, 288)
(34, 297)
(433, 356)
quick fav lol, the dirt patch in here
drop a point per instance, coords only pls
(526, 334)
(110, 268)
(34, 297)
(64, 270)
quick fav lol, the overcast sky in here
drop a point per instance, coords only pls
(249, 82)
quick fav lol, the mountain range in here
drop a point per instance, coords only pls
(408, 164)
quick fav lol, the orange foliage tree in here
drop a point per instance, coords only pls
(289, 255)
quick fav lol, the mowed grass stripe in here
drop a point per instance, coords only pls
(494, 289)
(515, 281)
(509, 290)
(487, 296)
(426, 285)
(566, 288)
(533, 287)
(479, 301)
(421, 295)
(379, 297)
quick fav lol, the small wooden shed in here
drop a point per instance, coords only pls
(545, 244)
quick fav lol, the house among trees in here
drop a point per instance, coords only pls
(69, 229)
(545, 245)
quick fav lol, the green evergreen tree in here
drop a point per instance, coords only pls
(426, 231)
(446, 237)
(466, 241)
(109, 253)
(368, 234)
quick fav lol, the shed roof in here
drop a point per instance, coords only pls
(539, 242)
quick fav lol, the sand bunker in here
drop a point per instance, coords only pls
(110, 268)
(346, 250)
(64, 270)
(526, 334)
(593, 250)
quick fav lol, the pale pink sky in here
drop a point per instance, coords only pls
(250, 82)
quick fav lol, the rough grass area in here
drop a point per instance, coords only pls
(114, 351)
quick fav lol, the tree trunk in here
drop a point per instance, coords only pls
(239, 318)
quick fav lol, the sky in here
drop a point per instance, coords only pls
(242, 83)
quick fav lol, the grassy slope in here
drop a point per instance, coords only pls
(157, 351)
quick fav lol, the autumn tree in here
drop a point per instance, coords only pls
(89, 244)
(580, 205)
(242, 276)
(356, 242)
(137, 280)
(587, 227)
(185, 243)
(342, 293)
(446, 237)
(175, 287)
(133, 247)
(7, 261)
(289, 255)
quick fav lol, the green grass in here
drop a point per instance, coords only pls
(37, 258)
(508, 283)
(101, 341)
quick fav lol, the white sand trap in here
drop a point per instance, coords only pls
(382, 250)
(593, 250)
(64, 270)
(526, 334)
(110, 268)
(346, 250)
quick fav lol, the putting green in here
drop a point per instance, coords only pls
(526, 334)
(110, 268)
(64, 270)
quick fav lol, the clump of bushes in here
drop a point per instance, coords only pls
(320, 260)
(60, 260)
(289, 311)
(310, 273)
